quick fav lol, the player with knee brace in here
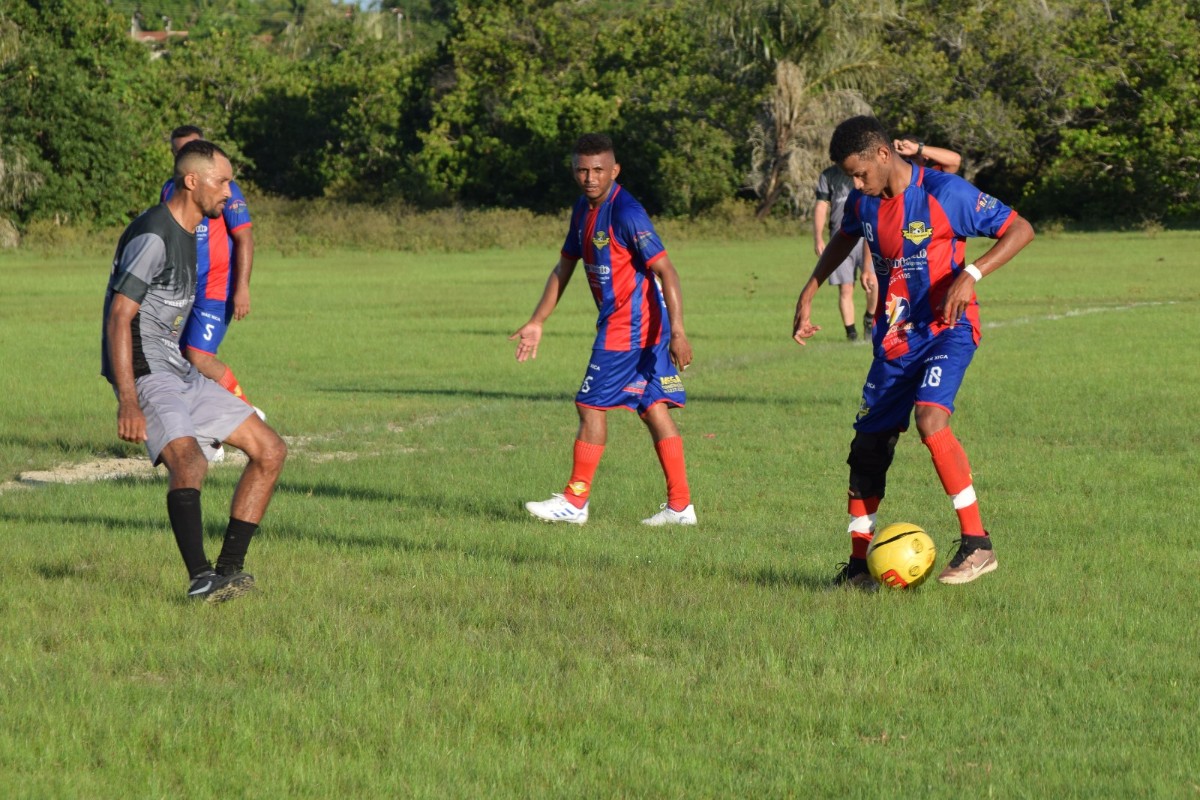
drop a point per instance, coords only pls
(915, 222)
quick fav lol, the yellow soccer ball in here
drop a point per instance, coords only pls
(901, 556)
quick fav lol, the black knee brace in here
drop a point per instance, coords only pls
(870, 456)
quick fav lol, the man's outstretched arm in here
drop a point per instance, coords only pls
(529, 334)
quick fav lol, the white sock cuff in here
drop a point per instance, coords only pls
(964, 498)
(862, 524)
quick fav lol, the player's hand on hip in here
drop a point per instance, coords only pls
(131, 423)
(528, 335)
(681, 352)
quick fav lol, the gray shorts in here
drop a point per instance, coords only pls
(849, 269)
(190, 406)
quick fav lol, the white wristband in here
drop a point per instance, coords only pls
(974, 272)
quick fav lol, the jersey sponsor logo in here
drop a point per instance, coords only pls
(600, 240)
(235, 205)
(636, 387)
(984, 202)
(917, 232)
(897, 309)
(917, 260)
(597, 269)
(671, 383)
(643, 236)
(177, 303)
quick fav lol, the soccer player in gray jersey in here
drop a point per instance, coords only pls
(161, 399)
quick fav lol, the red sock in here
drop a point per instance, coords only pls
(862, 524)
(950, 461)
(670, 455)
(587, 459)
(230, 384)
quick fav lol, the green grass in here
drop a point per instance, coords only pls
(417, 635)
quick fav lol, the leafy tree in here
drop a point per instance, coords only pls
(1132, 145)
(81, 104)
(991, 79)
(808, 63)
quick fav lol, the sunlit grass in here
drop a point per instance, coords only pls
(416, 634)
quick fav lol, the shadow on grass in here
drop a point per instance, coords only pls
(483, 394)
(559, 397)
(776, 578)
(446, 507)
(524, 552)
(70, 446)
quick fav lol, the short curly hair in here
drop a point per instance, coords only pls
(856, 136)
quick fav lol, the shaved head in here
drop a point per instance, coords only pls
(195, 156)
(203, 171)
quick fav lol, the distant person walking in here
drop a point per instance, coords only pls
(162, 400)
(915, 221)
(640, 345)
(224, 260)
(833, 187)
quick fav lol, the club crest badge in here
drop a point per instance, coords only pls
(917, 232)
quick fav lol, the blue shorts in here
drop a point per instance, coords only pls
(929, 375)
(634, 379)
(206, 327)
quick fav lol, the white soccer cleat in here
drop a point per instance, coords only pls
(557, 509)
(259, 413)
(666, 516)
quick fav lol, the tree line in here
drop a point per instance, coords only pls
(1068, 109)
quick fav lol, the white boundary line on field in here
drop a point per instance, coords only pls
(1077, 312)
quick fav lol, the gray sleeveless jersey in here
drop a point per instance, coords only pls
(155, 265)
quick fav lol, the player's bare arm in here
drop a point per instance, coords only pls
(820, 220)
(668, 277)
(1019, 234)
(131, 422)
(838, 249)
(243, 253)
(948, 160)
(868, 279)
(530, 334)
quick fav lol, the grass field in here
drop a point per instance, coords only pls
(417, 635)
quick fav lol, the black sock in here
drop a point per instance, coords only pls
(183, 507)
(868, 320)
(233, 551)
(978, 542)
(851, 332)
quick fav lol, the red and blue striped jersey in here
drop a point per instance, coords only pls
(618, 243)
(918, 242)
(214, 244)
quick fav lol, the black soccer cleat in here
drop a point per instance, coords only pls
(853, 574)
(214, 588)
